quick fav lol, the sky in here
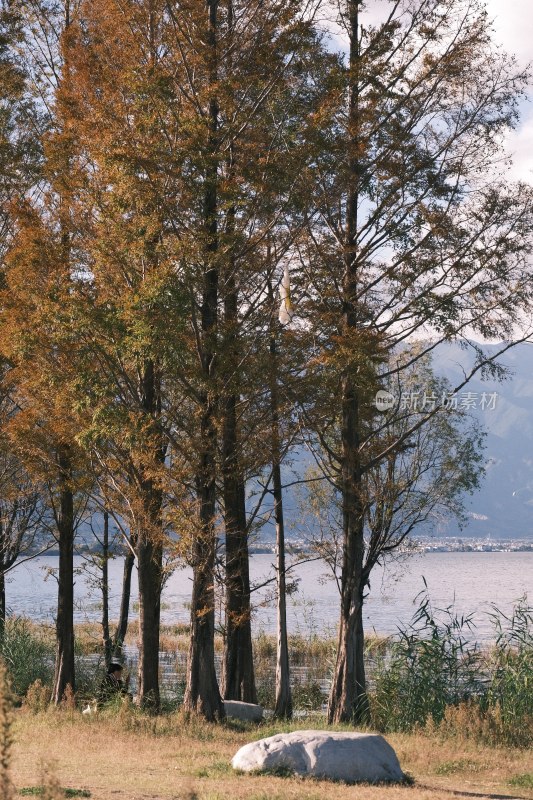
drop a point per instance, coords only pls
(513, 30)
(513, 27)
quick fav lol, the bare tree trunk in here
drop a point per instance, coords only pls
(3, 553)
(238, 672)
(105, 592)
(362, 706)
(64, 665)
(122, 626)
(202, 694)
(283, 705)
(150, 554)
(2, 601)
(239, 679)
(149, 560)
(347, 700)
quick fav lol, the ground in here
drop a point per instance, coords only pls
(128, 757)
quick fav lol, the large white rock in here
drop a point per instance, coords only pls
(350, 757)
(238, 710)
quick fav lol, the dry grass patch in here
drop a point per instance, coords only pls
(129, 756)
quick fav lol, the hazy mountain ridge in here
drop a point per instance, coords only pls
(503, 506)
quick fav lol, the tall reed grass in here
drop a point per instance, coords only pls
(27, 653)
(435, 675)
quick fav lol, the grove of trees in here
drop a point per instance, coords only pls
(165, 169)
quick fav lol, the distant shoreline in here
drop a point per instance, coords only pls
(436, 549)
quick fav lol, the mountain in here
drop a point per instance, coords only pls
(503, 506)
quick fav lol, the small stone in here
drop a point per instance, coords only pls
(235, 709)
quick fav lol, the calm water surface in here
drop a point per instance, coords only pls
(471, 581)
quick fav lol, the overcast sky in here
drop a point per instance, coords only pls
(513, 23)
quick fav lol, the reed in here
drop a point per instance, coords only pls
(435, 676)
(7, 791)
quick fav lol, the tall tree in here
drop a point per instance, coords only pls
(39, 351)
(411, 238)
(266, 201)
(418, 484)
(126, 288)
(36, 343)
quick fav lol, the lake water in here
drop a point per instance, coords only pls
(470, 581)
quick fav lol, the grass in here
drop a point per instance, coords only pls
(38, 791)
(462, 765)
(525, 781)
(129, 756)
(458, 717)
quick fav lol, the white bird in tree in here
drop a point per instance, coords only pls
(286, 311)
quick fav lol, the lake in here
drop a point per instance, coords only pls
(470, 581)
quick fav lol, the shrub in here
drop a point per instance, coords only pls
(511, 673)
(307, 696)
(266, 690)
(428, 668)
(38, 697)
(6, 736)
(89, 671)
(28, 657)
(434, 677)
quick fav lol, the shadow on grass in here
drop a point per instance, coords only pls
(461, 793)
(288, 772)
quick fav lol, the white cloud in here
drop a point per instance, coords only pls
(513, 26)
(513, 30)
(519, 146)
(512, 22)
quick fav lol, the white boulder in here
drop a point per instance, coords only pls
(349, 757)
(235, 709)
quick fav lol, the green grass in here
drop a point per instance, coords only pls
(461, 765)
(36, 791)
(213, 770)
(524, 781)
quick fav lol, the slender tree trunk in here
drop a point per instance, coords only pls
(202, 694)
(347, 700)
(283, 704)
(239, 679)
(64, 666)
(3, 554)
(105, 592)
(362, 706)
(150, 554)
(149, 561)
(238, 672)
(122, 626)
(2, 601)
